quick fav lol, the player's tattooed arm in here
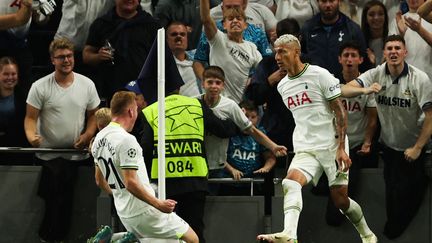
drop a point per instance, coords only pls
(341, 120)
(342, 158)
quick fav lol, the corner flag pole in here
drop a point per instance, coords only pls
(161, 112)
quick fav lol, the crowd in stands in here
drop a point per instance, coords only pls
(223, 50)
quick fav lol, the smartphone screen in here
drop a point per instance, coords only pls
(403, 7)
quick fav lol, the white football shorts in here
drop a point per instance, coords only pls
(155, 224)
(313, 163)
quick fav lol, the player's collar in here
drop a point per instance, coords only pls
(115, 124)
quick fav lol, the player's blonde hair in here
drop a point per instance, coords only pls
(287, 39)
(121, 101)
(103, 117)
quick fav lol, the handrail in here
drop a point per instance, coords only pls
(241, 180)
(40, 150)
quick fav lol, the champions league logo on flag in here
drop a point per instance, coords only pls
(147, 79)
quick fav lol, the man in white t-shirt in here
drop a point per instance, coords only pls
(60, 114)
(120, 171)
(230, 51)
(311, 93)
(225, 108)
(404, 106)
(417, 34)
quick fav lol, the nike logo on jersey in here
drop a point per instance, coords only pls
(298, 99)
(313, 35)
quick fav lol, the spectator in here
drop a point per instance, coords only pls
(418, 36)
(177, 36)
(103, 117)
(257, 14)
(75, 22)
(312, 95)
(425, 11)
(139, 97)
(19, 18)
(300, 10)
(185, 11)
(187, 120)
(225, 108)
(118, 44)
(60, 114)
(406, 96)
(14, 43)
(374, 24)
(120, 171)
(322, 36)
(362, 124)
(251, 33)
(230, 51)
(247, 158)
(12, 112)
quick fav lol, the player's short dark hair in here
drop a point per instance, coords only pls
(394, 38)
(214, 72)
(120, 102)
(288, 26)
(349, 44)
(248, 105)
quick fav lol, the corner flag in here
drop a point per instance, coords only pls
(147, 78)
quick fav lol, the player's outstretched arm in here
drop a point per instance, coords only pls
(134, 186)
(262, 139)
(343, 160)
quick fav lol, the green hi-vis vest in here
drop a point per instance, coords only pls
(184, 137)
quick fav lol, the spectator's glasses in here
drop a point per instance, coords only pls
(63, 57)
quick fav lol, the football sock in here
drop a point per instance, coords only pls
(293, 205)
(355, 215)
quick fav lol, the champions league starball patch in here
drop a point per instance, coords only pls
(132, 152)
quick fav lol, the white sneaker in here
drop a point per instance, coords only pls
(277, 238)
(370, 239)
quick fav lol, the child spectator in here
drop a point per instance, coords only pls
(223, 107)
(245, 156)
(103, 117)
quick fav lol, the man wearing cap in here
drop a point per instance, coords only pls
(139, 97)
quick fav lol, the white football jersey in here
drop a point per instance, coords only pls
(400, 103)
(357, 118)
(307, 95)
(115, 149)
